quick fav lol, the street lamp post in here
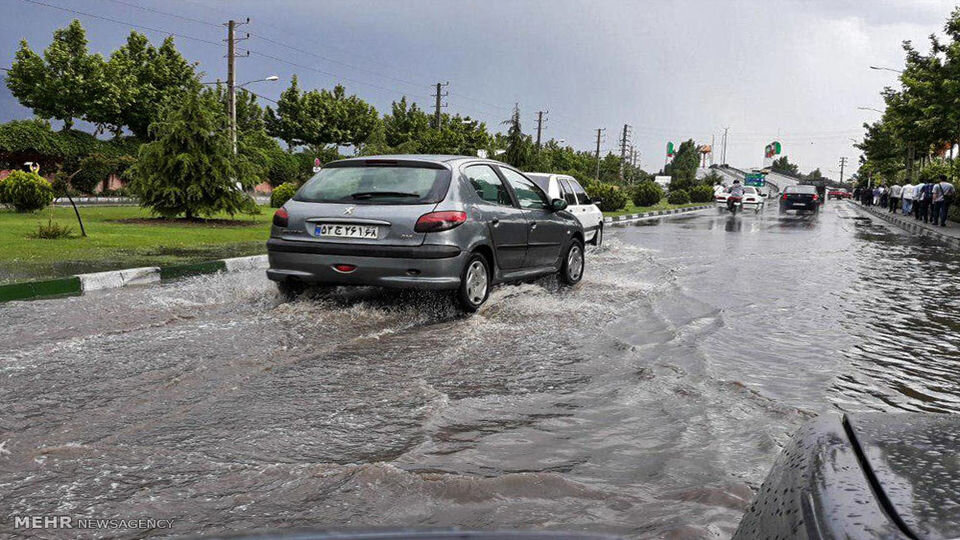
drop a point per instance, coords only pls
(881, 68)
(233, 107)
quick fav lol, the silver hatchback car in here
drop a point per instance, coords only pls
(422, 221)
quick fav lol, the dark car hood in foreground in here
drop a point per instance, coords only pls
(915, 459)
(863, 476)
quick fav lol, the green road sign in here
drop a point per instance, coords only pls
(755, 179)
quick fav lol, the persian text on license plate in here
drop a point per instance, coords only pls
(346, 230)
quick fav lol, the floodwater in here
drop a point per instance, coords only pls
(648, 402)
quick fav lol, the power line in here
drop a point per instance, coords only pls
(210, 42)
(181, 17)
(117, 21)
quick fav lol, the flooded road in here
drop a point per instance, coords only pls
(649, 401)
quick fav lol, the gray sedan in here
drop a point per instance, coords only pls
(431, 222)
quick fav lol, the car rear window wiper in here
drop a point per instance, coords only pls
(371, 194)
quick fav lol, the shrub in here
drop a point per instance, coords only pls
(678, 197)
(98, 167)
(26, 191)
(647, 194)
(612, 198)
(52, 231)
(282, 194)
(701, 194)
(285, 168)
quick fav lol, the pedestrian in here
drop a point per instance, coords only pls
(876, 195)
(907, 195)
(884, 196)
(918, 200)
(943, 194)
(895, 197)
(923, 202)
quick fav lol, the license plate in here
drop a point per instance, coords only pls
(799, 204)
(346, 230)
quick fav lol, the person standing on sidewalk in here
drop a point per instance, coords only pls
(907, 195)
(923, 204)
(943, 195)
(895, 197)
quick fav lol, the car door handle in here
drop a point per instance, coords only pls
(533, 225)
(495, 222)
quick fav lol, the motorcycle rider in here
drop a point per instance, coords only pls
(736, 190)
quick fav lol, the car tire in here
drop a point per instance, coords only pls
(598, 237)
(571, 269)
(290, 290)
(474, 286)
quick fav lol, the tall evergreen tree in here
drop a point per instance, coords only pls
(190, 168)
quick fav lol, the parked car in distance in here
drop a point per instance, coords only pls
(561, 186)
(799, 198)
(752, 199)
(422, 221)
(838, 193)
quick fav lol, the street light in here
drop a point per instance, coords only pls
(870, 109)
(880, 68)
(271, 78)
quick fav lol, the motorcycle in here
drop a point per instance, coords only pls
(733, 204)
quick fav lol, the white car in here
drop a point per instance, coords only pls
(753, 199)
(561, 186)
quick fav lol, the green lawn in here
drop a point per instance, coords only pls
(111, 244)
(662, 205)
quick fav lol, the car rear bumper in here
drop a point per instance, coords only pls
(435, 267)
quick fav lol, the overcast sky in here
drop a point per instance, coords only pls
(789, 70)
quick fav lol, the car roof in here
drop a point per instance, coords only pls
(429, 158)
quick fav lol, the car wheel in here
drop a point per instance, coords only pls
(474, 283)
(598, 238)
(571, 271)
(290, 290)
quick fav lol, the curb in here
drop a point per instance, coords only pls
(81, 283)
(910, 225)
(634, 217)
(126, 201)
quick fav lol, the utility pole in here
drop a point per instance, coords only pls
(723, 153)
(540, 125)
(843, 162)
(599, 133)
(624, 142)
(713, 144)
(232, 77)
(439, 95)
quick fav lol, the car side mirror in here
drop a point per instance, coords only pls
(558, 204)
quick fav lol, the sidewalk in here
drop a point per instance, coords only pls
(949, 235)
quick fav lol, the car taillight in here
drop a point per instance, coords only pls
(281, 218)
(784, 196)
(439, 221)
(815, 197)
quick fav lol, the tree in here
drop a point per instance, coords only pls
(286, 122)
(64, 82)
(405, 124)
(683, 168)
(151, 75)
(190, 168)
(320, 118)
(783, 165)
(518, 145)
(815, 174)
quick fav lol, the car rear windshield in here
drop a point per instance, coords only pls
(799, 189)
(366, 183)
